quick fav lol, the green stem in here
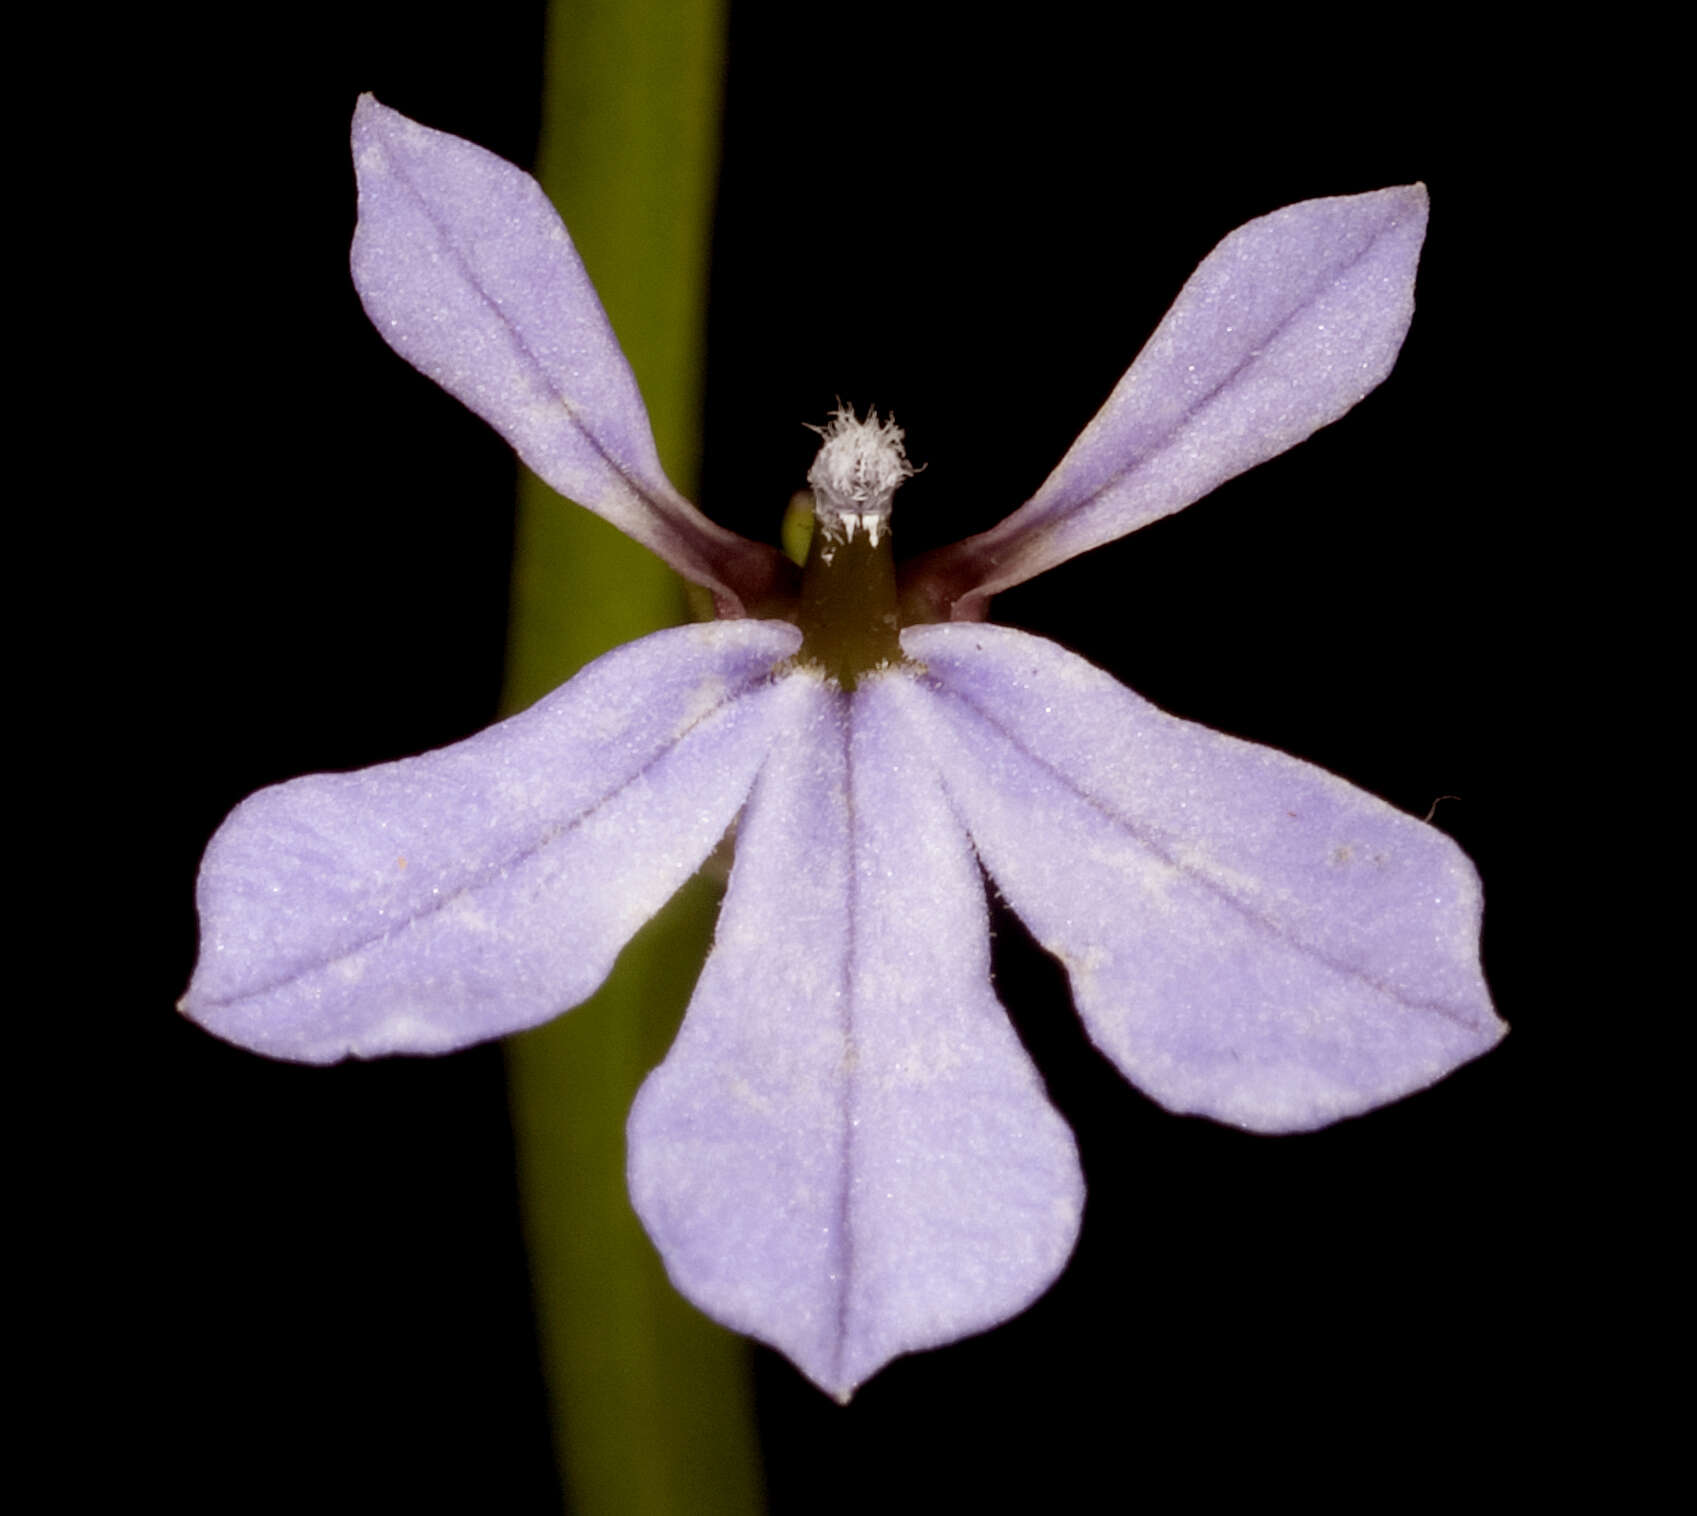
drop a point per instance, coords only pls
(651, 1402)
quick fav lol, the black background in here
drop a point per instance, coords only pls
(973, 224)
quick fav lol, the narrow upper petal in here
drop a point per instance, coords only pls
(847, 1153)
(1248, 936)
(1282, 328)
(470, 275)
(423, 905)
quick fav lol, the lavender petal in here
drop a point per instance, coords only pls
(847, 1153)
(1248, 937)
(422, 905)
(470, 275)
(1288, 323)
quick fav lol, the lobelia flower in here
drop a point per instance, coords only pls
(846, 1152)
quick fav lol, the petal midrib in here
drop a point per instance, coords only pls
(845, 1202)
(665, 521)
(1260, 920)
(1025, 530)
(484, 877)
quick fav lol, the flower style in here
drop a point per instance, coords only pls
(846, 1152)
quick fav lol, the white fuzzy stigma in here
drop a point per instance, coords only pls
(860, 463)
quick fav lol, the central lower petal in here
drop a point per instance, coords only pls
(847, 1152)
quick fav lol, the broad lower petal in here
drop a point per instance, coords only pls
(847, 1152)
(470, 275)
(442, 900)
(1248, 937)
(1282, 328)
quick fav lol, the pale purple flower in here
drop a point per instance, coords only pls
(846, 1152)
